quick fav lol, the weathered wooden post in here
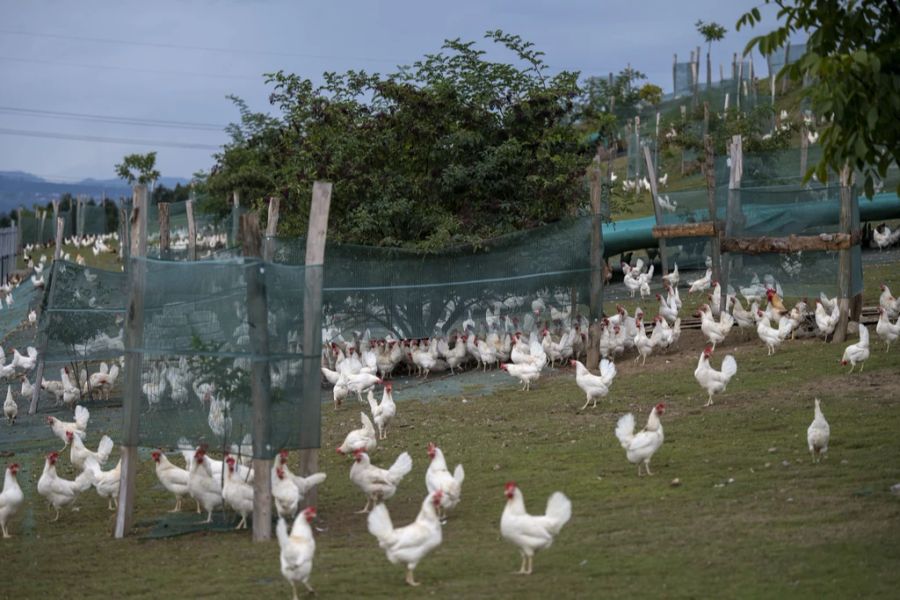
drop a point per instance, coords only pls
(844, 262)
(271, 227)
(60, 228)
(134, 338)
(683, 121)
(312, 309)
(734, 217)
(804, 148)
(657, 211)
(260, 381)
(164, 238)
(19, 241)
(787, 60)
(711, 199)
(192, 230)
(675, 74)
(595, 300)
(235, 216)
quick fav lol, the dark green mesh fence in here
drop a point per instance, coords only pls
(214, 233)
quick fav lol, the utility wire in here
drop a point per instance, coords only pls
(143, 122)
(133, 69)
(106, 140)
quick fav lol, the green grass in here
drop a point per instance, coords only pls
(783, 528)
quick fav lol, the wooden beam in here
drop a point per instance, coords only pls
(701, 229)
(260, 382)
(844, 262)
(316, 236)
(134, 336)
(657, 210)
(792, 243)
(164, 237)
(192, 231)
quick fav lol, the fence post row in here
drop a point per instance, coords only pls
(711, 200)
(844, 262)
(657, 211)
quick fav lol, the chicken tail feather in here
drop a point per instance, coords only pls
(559, 511)
(625, 429)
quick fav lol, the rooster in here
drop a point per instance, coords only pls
(525, 372)
(384, 412)
(818, 433)
(80, 452)
(529, 532)
(297, 549)
(888, 302)
(79, 427)
(640, 447)
(236, 493)
(173, 478)
(58, 491)
(410, 544)
(11, 498)
(711, 380)
(288, 489)
(886, 330)
(438, 477)
(594, 386)
(363, 438)
(376, 483)
(858, 352)
(10, 408)
(202, 486)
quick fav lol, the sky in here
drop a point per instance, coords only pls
(84, 83)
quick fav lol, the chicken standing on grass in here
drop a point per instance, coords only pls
(79, 427)
(61, 492)
(11, 498)
(383, 413)
(525, 372)
(410, 544)
(105, 482)
(80, 453)
(887, 331)
(531, 532)
(818, 433)
(438, 477)
(376, 483)
(202, 486)
(10, 408)
(640, 447)
(711, 380)
(297, 549)
(173, 478)
(594, 386)
(363, 438)
(858, 352)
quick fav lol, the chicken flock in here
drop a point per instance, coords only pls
(357, 367)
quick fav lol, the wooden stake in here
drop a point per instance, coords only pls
(134, 338)
(804, 149)
(657, 210)
(711, 199)
(192, 231)
(271, 227)
(844, 263)
(164, 239)
(60, 226)
(596, 297)
(734, 217)
(787, 59)
(312, 315)
(235, 216)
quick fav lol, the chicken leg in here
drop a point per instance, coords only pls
(530, 567)
(647, 468)
(177, 505)
(708, 402)
(6, 535)
(410, 579)
(365, 509)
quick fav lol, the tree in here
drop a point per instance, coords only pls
(711, 32)
(852, 59)
(619, 94)
(138, 168)
(651, 94)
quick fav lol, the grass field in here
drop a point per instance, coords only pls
(782, 527)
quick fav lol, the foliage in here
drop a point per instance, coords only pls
(711, 32)
(138, 168)
(852, 57)
(651, 94)
(620, 97)
(451, 149)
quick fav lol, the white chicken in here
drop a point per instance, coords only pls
(857, 353)
(59, 428)
(887, 301)
(363, 438)
(673, 277)
(202, 486)
(291, 489)
(817, 434)
(887, 331)
(27, 362)
(715, 332)
(711, 380)
(105, 482)
(376, 483)
(80, 453)
(362, 382)
(594, 386)
(61, 492)
(825, 321)
(769, 335)
(173, 478)
(640, 447)
(530, 533)
(11, 498)
(702, 284)
(297, 549)
(410, 544)
(10, 408)
(383, 413)
(438, 477)
(237, 493)
(527, 373)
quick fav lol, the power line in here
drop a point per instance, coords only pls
(241, 51)
(106, 140)
(133, 69)
(34, 112)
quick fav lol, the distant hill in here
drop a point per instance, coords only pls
(18, 188)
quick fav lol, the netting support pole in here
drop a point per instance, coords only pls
(164, 238)
(19, 241)
(596, 298)
(711, 199)
(260, 383)
(733, 213)
(657, 211)
(134, 334)
(804, 149)
(192, 231)
(844, 262)
(235, 214)
(312, 310)
(271, 227)
(60, 226)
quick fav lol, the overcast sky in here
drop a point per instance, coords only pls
(175, 61)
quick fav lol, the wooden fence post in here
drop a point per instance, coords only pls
(804, 149)
(596, 297)
(312, 309)
(192, 231)
(734, 217)
(844, 262)
(787, 59)
(657, 210)
(235, 216)
(164, 239)
(134, 334)
(711, 199)
(60, 227)
(271, 227)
